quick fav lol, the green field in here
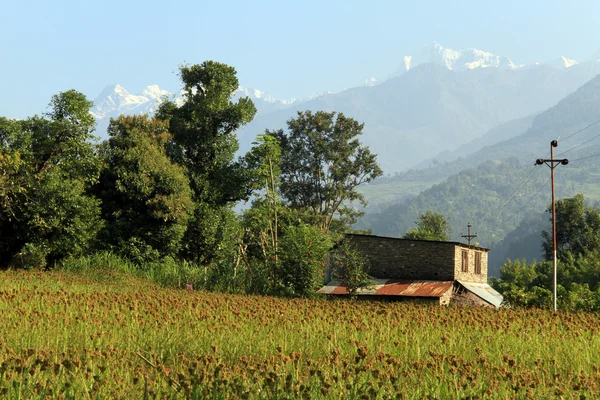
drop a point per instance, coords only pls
(68, 336)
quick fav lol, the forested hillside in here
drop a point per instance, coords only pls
(496, 195)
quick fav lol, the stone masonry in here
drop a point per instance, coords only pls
(393, 258)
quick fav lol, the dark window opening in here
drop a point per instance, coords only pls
(478, 263)
(465, 261)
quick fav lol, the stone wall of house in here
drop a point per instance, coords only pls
(470, 275)
(392, 258)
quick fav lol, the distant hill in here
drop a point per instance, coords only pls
(505, 187)
(430, 109)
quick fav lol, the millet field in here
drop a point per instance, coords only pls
(69, 335)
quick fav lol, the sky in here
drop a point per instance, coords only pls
(287, 48)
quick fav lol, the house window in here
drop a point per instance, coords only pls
(478, 263)
(465, 261)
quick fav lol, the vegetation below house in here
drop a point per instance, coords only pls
(120, 337)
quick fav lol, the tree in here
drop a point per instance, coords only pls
(577, 229)
(430, 226)
(204, 143)
(262, 221)
(50, 164)
(322, 165)
(203, 129)
(146, 198)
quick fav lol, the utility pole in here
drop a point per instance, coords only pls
(552, 163)
(468, 236)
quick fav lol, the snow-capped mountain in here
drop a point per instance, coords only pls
(256, 94)
(115, 100)
(561, 62)
(460, 60)
(371, 81)
(456, 59)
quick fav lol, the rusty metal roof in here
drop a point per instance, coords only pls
(393, 287)
(484, 291)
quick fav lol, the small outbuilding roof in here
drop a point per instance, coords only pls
(393, 287)
(484, 291)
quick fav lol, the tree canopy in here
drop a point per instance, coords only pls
(322, 164)
(430, 226)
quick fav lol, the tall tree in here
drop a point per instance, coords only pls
(146, 198)
(203, 129)
(322, 165)
(204, 143)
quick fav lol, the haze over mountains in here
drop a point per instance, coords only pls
(498, 186)
(439, 100)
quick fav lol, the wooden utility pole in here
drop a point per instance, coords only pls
(552, 163)
(468, 236)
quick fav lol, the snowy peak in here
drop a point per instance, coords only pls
(371, 81)
(256, 94)
(115, 100)
(470, 58)
(561, 63)
(457, 59)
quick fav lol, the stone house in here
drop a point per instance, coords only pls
(421, 270)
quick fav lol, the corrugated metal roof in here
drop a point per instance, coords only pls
(392, 287)
(485, 291)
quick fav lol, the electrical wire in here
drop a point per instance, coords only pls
(579, 145)
(511, 196)
(584, 158)
(527, 203)
(581, 130)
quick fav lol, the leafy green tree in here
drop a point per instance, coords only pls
(430, 226)
(322, 165)
(50, 166)
(263, 162)
(203, 129)
(204, 143)
(577, 229)
(146, 198)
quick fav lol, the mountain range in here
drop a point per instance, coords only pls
(440, 101)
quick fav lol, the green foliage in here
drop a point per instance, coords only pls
(577, 229)
(351, 267)
(430, 226)
(578, 269)
(49, 165)
(203, 129)
(146, 199)
(304, 250)
(212, 236)
(322, 164)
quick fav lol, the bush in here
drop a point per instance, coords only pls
(351, 267)
(303, 251)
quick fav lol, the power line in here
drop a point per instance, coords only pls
(510, 196)
(526, 204)
(579, 145)
(581, 130)
(585, 158)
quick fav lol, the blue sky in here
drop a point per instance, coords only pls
(290, 49)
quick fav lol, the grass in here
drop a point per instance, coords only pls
(75, 335)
